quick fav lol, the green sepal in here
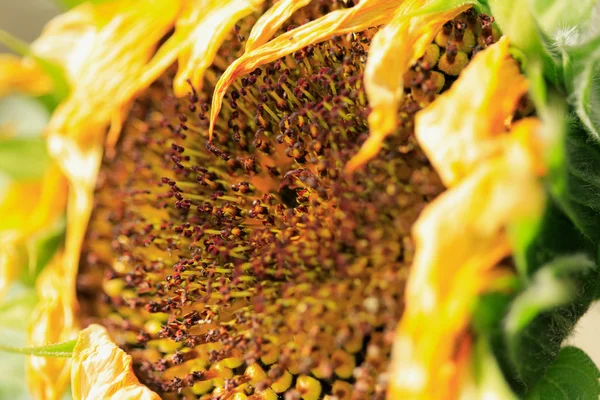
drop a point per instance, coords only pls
(572, 375)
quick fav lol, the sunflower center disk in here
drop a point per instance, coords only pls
(253, 267)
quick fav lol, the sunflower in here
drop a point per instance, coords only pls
(296, 199)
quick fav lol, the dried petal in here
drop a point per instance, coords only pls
(394, 48)
(199, 32)
(271, 21)
(366, 14)
(461, 128)
(101, 370)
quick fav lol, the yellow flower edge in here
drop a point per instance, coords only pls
(52, 321)
(105, 77)
(101, 370)
(108, 54)
(497, 184)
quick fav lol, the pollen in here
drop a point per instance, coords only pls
(251, 266)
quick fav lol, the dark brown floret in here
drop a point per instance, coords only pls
(252, 265)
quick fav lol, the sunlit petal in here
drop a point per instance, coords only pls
(271, 21)
(450, 271)
(461, 128)
(101, 370)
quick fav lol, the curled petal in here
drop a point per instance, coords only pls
(461, 128)
(271, 21)
(52, 321)
(101, 370)
(199, 32)
(104, 49)
(393, 50)
(367, 13)
(450, 271)
(22, 75)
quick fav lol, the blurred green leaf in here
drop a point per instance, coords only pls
(488, 381)
(571, 376)
(553, 285)
(14, 309)
(22, 116)
(553, 15)
(23, 158)
(68, 4)
(559, 280)
(577, 184)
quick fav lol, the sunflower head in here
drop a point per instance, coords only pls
(281, 200)
(252, 264)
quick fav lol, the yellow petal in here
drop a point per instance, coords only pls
(461, 128)
(101, 370)
(104, 49)
(459, 238)
(271, 21)
(366, 14)
(52, 321)
(22, 75)
(200, 30)
(27, 208)
(393, 50)
(11, 260)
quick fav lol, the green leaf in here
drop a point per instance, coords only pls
(571, 376)
(576, 187)
(17, 304)
(543, 315)
(23, 158)
(585, 98)
(516, 20)
(487, 380)
(552, 286)
(553, 15)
